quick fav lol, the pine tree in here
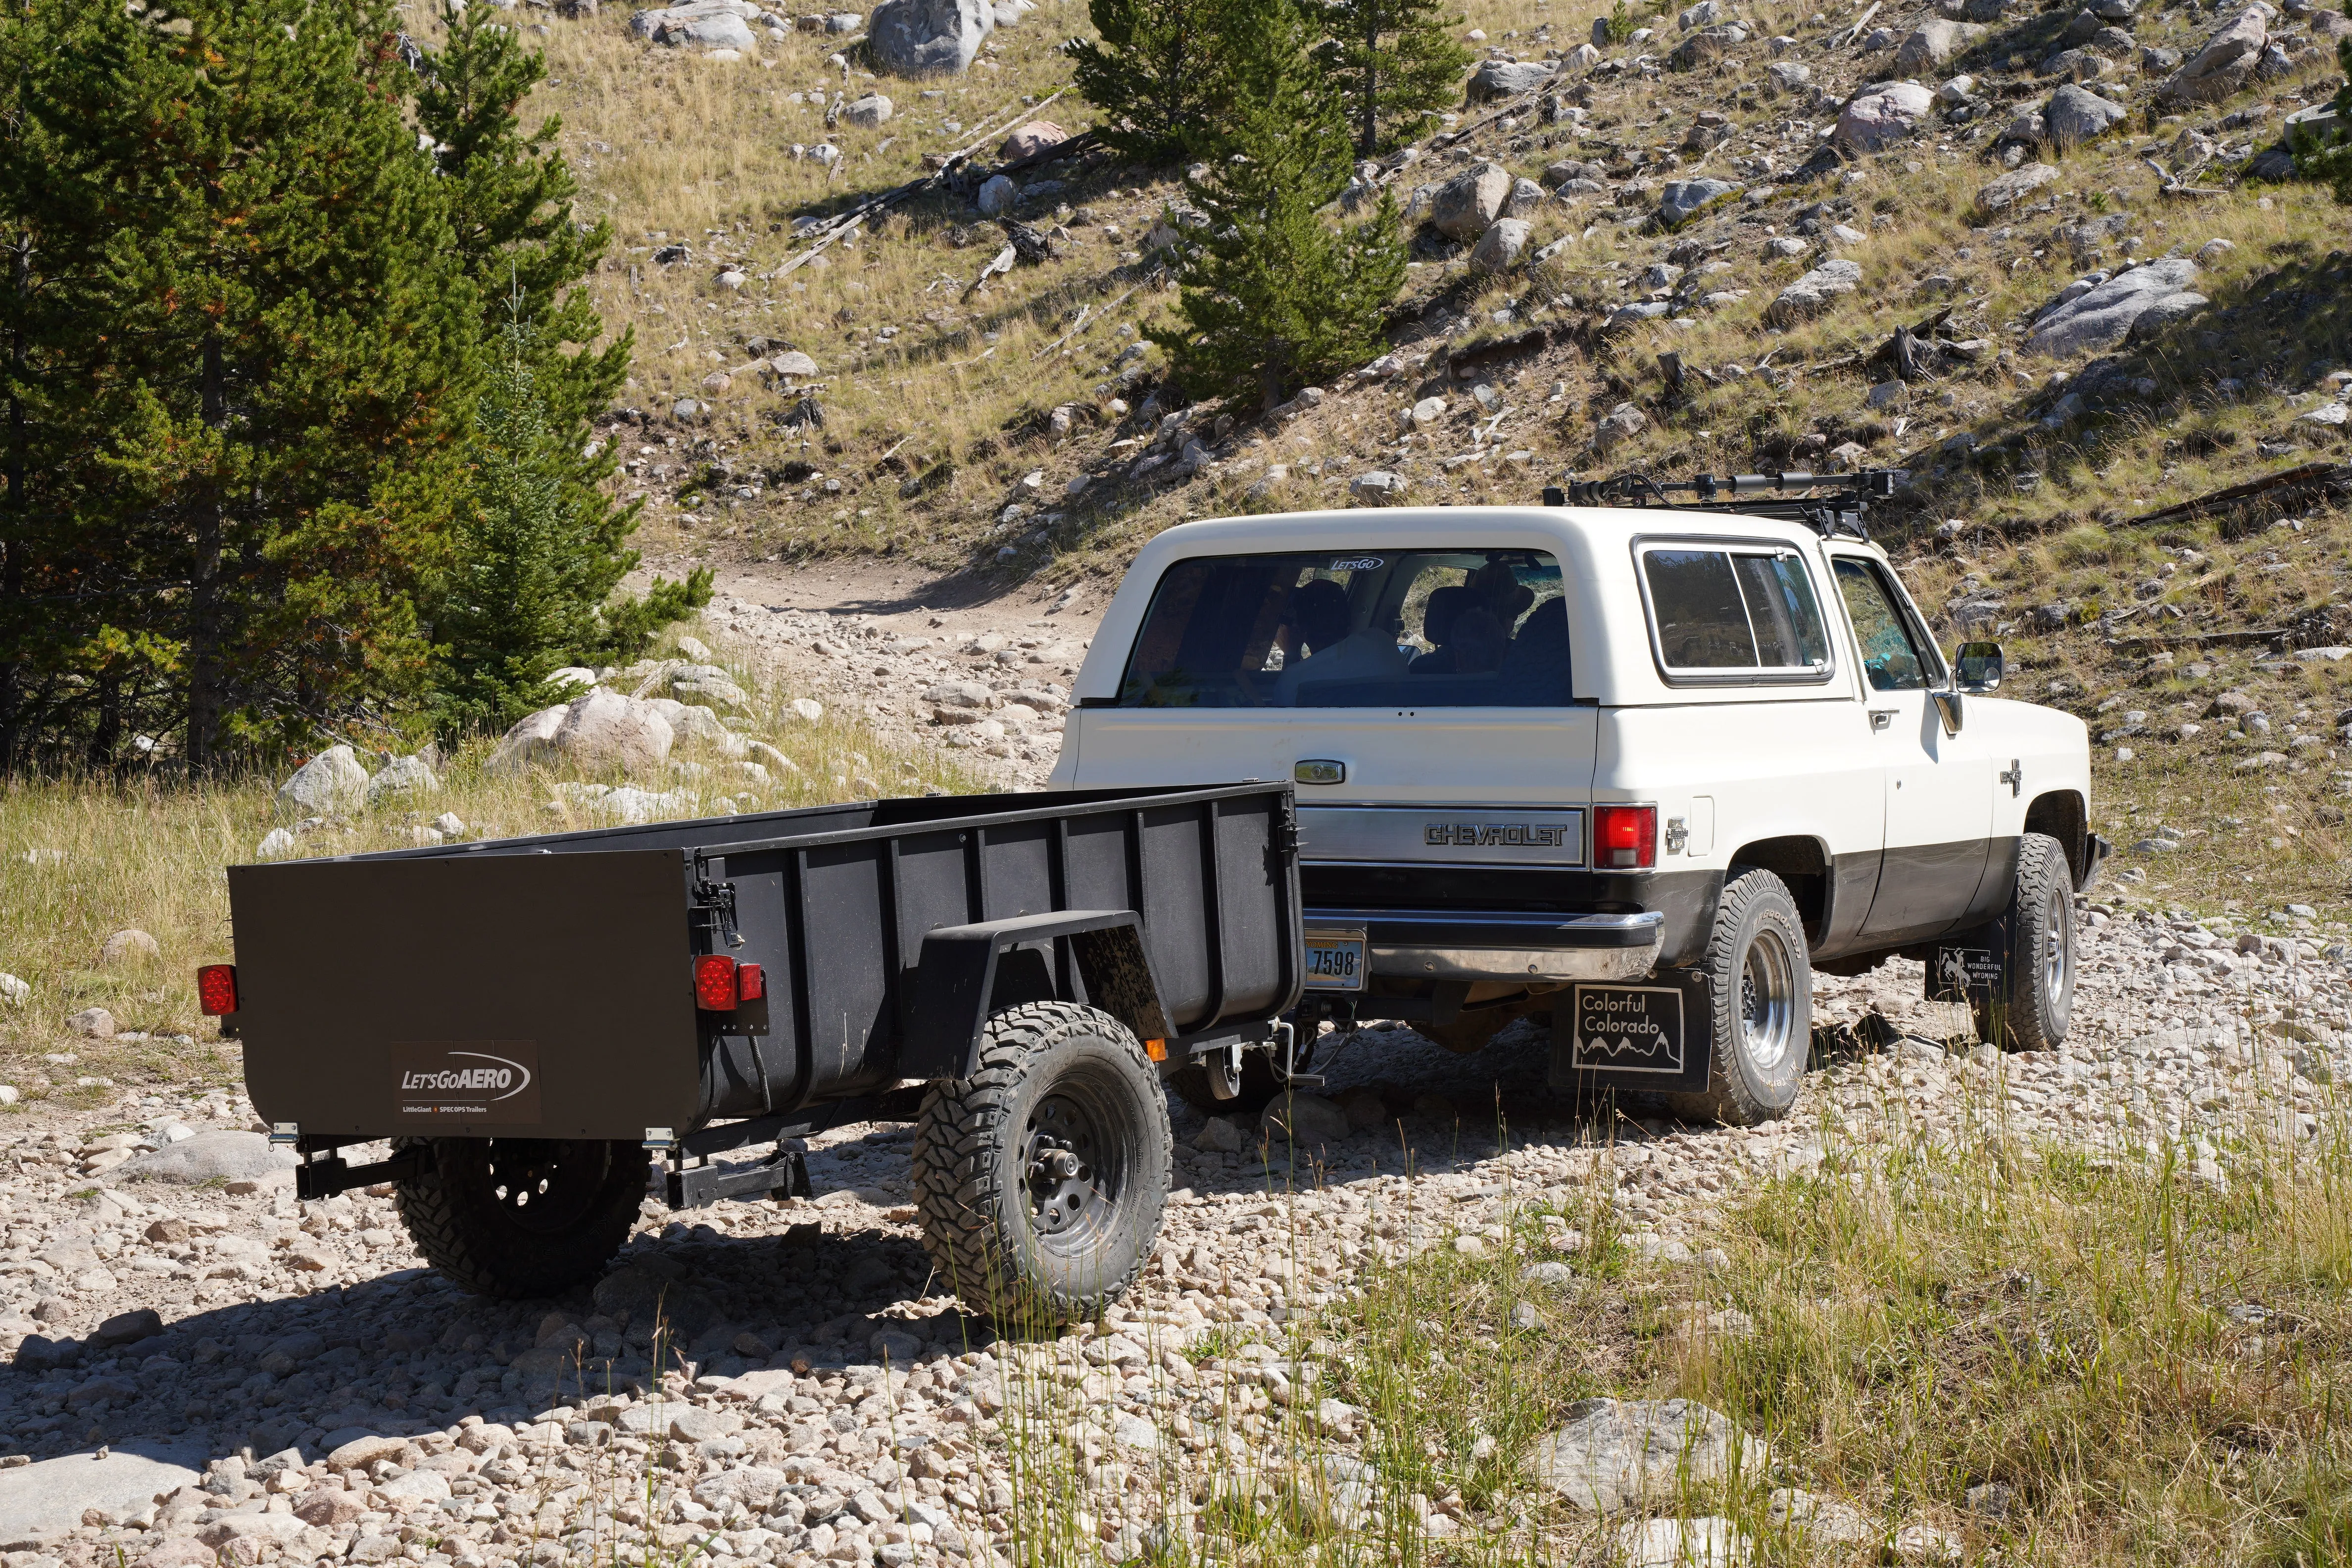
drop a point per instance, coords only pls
(2333, 163)
(1156, 75)
(1273, 295)
(1393, 62)
(275, 326)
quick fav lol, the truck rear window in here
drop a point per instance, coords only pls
(1381, 628)
(1734, 614)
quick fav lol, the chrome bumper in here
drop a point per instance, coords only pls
(1451, 944)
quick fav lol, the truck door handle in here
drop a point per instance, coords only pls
(1880, 718)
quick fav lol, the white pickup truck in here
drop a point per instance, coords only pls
(1642, 769)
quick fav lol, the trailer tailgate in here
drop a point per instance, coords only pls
(515, 995)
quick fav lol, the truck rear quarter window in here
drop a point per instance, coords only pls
(1387, 628)
(1739, 614)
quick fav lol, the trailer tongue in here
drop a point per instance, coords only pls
(545, 1027)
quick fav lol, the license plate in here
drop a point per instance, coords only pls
(1335, 960)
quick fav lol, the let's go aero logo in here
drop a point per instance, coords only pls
(502, 1081)
(441, 1081)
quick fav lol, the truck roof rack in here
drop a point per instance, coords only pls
(1835, 506)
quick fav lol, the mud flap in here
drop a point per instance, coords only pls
(1972, 968)
(1652, 1037)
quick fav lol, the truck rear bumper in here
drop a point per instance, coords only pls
(1469, 945)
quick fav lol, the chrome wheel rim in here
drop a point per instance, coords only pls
(2054, 958)
(1768, 1000)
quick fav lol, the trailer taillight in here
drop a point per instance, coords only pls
(1625, 837)
(715, 983)
(750, 982)
(216, 990)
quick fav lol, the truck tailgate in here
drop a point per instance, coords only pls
(492, 995)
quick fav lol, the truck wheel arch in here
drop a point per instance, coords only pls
(1802, 863)
(2063, 815)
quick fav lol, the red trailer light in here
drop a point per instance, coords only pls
(216, 990)
(715, 983)
(1625, 837)
(750, 982)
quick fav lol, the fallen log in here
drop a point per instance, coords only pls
(2303, 477)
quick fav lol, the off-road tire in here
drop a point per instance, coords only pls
(1758, 947)
(1258, 1087)
(987, 1206)
(2032, 1012)
(470, 1209)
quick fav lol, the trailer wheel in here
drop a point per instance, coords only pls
(1042, 1178)
(1760, 1018)
(1258, 1087)
(515, 1217)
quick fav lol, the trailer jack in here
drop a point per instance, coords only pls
(783, 1175)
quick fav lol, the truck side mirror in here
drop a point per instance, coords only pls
(1978, 666)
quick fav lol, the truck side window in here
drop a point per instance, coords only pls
(1889, 656)
(1716, 611)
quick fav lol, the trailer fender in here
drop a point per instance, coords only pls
(955, 982)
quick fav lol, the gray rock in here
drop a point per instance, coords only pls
(602, 732)
(1219, 1136)
(2167, 309)
(15, 991)
(1526, 197)
(1031, 140)
(1790, 76)
(997, 193)
(1881, 114)
(1466, 205)
(929, 37)
(405, 777)
(867, 112)
(705, 25)
(92, 1024)
(1700, 48)
(208, 1156)
(1499, 247)
(1549, 1272)
(128, 1328)
(2102, 317)
(1705, 14)
(129, 946)
(327, 783)
(2010, 189)
(46, 1497)
(1306, 1120)
(2226, 61)
(1819, 1520)
(1934, 42)
(1377, 486)
(792, 364)
(2075, 115)
(1713, 1541)
(1620, 425)
(1613, 1455)
(1814, 292)
(1508, 78)
(1683, 200)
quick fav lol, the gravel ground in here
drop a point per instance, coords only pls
(305, 1390)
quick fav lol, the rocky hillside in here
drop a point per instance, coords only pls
(2052, 263)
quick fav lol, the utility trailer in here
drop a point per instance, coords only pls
(544, 1028)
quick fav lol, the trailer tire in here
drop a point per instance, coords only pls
(1042, 1178)
(1760, 987)
(471, 1210)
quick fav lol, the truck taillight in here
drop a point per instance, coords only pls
(216, 990)
(715, 982)
(1625, 837)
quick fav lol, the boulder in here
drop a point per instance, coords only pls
(1881, 114)
(1613, 1455)
(129, 946)
(2075, 115)
(1814, 292)
(704, 24)
(867, 112)
(792, 364)
(1790, 76)
(92, 1024)
(1932, 43)
(2225, 63)
(1819, 1521)
(1683, 200)
(329, 783)
(1705, 14)
(1306, 1120)
(1030, 139)
(1712, 1542)
(601, 732)
(1508, 78)
(2102, 317)
(1377, 486)
(405, 777)
(1464, 206)
(207, 1156)
(2010, 189)
(1220, 1136)
(46, 1497)
(929, 37)
(1526, 197)
(2168, 309)
(1710, 44)
(1499, 247)
(1620, 425)
(996, 195)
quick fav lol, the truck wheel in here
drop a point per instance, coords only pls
(1041, 1178)
(1258, 1087)
(1761, 1012)
(515, 1218)
(2031, 1014)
